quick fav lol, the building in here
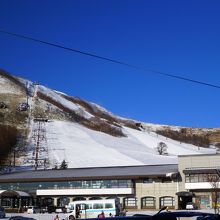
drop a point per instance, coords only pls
(200, 178)
(137, 187)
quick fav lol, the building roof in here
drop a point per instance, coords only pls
(133, 172)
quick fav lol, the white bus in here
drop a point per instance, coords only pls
(92, 208)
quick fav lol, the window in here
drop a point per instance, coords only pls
(148, 202)
(88, 206)
(148, 180)
(167, 201)
(97, 206)
(95, 198)
(130, 202)
(108, 205)
(195, 178)
(63, 201)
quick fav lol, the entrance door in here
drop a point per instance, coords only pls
(80, 210)
(183, 200)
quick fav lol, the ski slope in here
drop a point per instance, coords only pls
(82, 147)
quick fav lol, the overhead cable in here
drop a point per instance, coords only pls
(109, 59)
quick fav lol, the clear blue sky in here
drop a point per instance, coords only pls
(176, 37)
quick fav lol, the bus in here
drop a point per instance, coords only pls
(92, 208)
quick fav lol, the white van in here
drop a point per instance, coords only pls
(92, 208)
(33, 210)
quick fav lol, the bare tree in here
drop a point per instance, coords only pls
(161, 148)
(214, 181)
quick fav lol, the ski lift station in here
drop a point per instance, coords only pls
(147, 187)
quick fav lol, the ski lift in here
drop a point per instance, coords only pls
(24, 106)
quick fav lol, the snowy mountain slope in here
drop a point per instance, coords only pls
(82, 147)
(82, 133)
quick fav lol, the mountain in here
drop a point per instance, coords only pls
(41, 127)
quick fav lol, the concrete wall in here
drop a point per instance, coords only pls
(157, 190)
(196, 161)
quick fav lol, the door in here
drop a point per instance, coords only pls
(80, 210)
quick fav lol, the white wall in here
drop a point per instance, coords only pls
(68, 192)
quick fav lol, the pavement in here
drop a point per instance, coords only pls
(62, 216)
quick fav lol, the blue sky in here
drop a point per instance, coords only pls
(176, 37)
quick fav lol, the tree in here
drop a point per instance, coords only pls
(161, 148)
(214, 181)
(63, 165)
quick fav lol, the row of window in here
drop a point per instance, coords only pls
(157, 180)
(149, 202)
(195, 178)
(128, 203)
(89, 184)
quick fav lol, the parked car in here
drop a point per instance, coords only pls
(20, 218)
(175, 215)
(58, 210)
(191, 206)
(33, 210)
(2, 212)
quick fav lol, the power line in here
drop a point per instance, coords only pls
(110, 60)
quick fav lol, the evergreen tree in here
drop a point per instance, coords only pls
(63, 165)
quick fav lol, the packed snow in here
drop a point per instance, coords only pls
(82, 147)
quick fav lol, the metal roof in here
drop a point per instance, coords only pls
(133, 172)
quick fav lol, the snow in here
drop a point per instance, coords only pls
(151, 139)
(28, 84)
(82, 147)
(68, 104)
(6, 87)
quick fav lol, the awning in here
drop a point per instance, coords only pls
(201, 171)
(185, 193)
(14, 193)
(23, 194)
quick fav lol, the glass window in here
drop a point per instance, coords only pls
(187, 178)
(166, 201)
(97, 206)
(108, 205)
(89, 184)
(63, 201)
(88, 206)
(130, 202)
(148, 180)
(148, 202)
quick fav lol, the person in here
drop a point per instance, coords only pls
(56, 217)
(110, 215)
(102, 215)
(77, 212)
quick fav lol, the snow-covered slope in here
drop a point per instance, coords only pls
(85, 134)
(82, 147)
